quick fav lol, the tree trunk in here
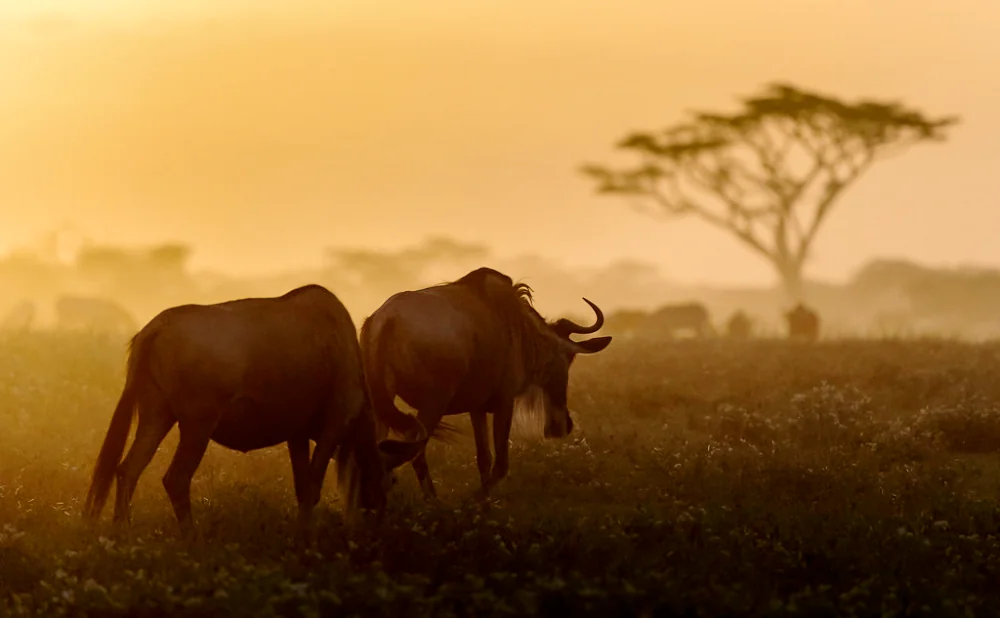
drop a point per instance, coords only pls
(791, 281)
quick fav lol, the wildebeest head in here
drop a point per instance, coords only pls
(367, 475)
(552, 371)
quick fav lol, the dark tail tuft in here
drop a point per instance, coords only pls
(111, 453)
(381, 401)
(114, 441)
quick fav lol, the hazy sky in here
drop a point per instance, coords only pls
(263, 132)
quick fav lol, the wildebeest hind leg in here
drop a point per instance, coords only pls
(177, 481)
(430, 420)
(484, 459)
(333, 434)
(155, 422)
(320, 462)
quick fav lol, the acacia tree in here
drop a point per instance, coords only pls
(770, 173)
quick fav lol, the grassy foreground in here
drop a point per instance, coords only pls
(765, 478)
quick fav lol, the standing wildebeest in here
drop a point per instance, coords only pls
(692, 317)
(473, 345)
(626, 323)
(803, 323)
(250, 374)
(97, 314)
(738, 326)
(19, 317)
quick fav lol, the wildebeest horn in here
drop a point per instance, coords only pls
(565, 327)
(422, 431)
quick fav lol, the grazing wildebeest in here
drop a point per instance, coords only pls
(19, 317)
(738, 326)
(626, 323)
(250, 374)
(95, 314)
(803, 323)
(692, 317)
(473, 345)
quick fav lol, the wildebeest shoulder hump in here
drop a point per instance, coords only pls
(311, 288)
(480, 276)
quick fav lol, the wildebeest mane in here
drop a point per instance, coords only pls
(532, 338)
(514, 303)
(481, 278)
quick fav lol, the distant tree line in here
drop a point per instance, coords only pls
(146, 280)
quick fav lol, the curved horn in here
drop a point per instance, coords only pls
(421, 431)
(565, 327)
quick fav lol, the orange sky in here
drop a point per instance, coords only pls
(262, 136)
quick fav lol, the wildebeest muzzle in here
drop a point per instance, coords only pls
(559, 428)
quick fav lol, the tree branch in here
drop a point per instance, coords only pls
(826, 202)
(743, 167)
(682, 205)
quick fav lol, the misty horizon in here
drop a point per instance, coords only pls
(75, 238)
(355, 130)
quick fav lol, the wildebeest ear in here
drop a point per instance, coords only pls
(591, 346)
(395, 453)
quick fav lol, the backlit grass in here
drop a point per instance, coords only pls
(705, 478)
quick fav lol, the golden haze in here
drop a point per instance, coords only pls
(262, 136)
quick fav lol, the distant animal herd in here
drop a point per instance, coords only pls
(693, 319)
(73, 313)
(257, 372)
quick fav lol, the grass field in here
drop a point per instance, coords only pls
(706, 478)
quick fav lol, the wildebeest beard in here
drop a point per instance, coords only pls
(530, 414)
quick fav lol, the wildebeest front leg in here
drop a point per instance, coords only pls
(298, 452)
(502, 420)
(481, 431)
(317, 467)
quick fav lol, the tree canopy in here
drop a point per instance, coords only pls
(769, 173)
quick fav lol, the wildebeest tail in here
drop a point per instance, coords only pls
(121, 421)
(382, 401)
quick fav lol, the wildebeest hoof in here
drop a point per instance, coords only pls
(305, 539)
(429, 493)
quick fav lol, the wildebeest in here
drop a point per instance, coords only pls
(669, 319)
(738, 326)
(803, 323)
(473, 345)
(626, 323)
(95, 314)
(250, 374)
(19, 317)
